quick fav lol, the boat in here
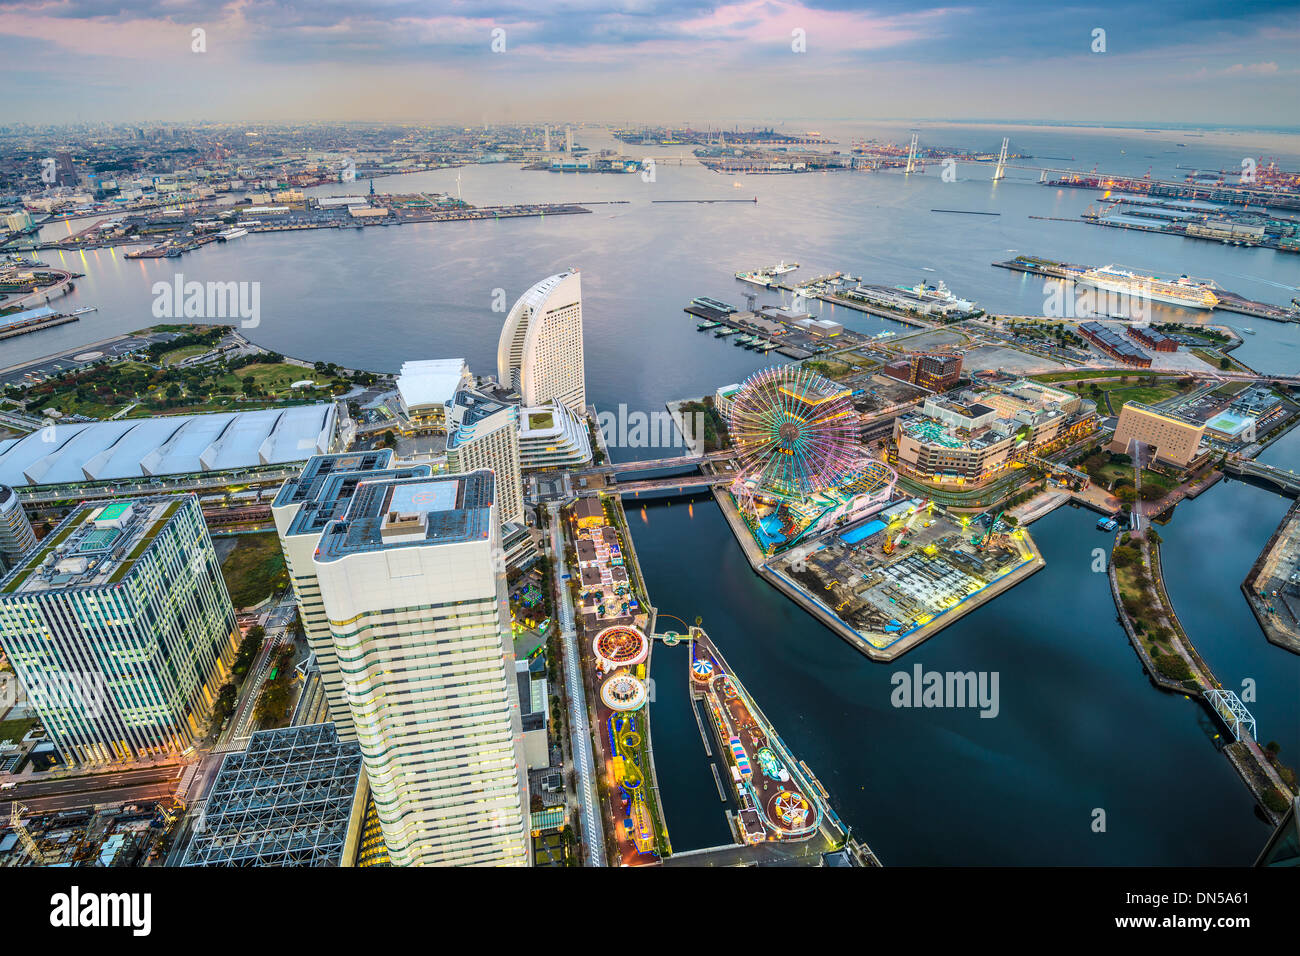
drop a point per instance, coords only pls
(1194, 293)
(1107, 524)
(764, 277)
(235, 233)
(1246, 330)
(937, 293)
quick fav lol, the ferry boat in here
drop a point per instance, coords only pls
(235, 233)
(1194, 293)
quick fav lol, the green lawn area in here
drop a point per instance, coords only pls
(1143, 394)
(15, 730)
(1213, 357)
(1076, 374)
(254, 569)
(272, 377)
(181, 354)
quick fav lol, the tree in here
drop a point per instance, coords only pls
(1224, 363)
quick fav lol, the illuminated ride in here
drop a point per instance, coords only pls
(795, 433)
(790, 810)
(623, 693)
(620, 646)
(625, 740)
(771, 766)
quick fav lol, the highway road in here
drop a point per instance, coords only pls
(87, 783)
(593, 831)
(90, 798)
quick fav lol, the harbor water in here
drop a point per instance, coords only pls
(1079, 729)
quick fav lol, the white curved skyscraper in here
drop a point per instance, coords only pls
(540, 353)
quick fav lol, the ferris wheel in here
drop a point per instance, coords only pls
(795, 432)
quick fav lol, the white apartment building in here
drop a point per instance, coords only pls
(413, 582)
(483, 432)
(302, 508)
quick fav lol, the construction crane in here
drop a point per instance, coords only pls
(24, 836)
(983, 542)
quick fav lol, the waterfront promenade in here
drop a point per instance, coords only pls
(1245, 754)
(580, 729)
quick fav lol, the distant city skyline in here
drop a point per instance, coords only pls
(658, 61)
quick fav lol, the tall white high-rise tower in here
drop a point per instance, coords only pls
(540, 351)
(413, 582)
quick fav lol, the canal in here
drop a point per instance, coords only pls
(1079, 727)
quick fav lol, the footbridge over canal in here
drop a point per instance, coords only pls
(1287, 482)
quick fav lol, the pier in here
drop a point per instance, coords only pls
(1228, 301)
(1273, 596)
(782, 813)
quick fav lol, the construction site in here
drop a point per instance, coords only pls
(888, 584)
(106, 835)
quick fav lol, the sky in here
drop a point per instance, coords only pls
(650, 61)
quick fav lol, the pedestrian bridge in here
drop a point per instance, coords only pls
(1287, 482)
(1232, 712)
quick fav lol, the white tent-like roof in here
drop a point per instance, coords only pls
(167, 445)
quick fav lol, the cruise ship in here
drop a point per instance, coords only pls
(940, 294)
(1194, 293)
(764, 277)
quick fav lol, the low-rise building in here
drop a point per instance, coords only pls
(1152, 338)
(425, 388)
(1175, 441)
(1114, 344)
(552, 436)
(973, 434)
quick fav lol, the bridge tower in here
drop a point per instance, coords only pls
(911, 156)
(1000, 171)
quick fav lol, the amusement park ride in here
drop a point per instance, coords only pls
(774, 799)
(800, 463)
(621, 652)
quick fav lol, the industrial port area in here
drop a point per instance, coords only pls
(705, 476)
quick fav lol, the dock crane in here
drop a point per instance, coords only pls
(24, 836)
